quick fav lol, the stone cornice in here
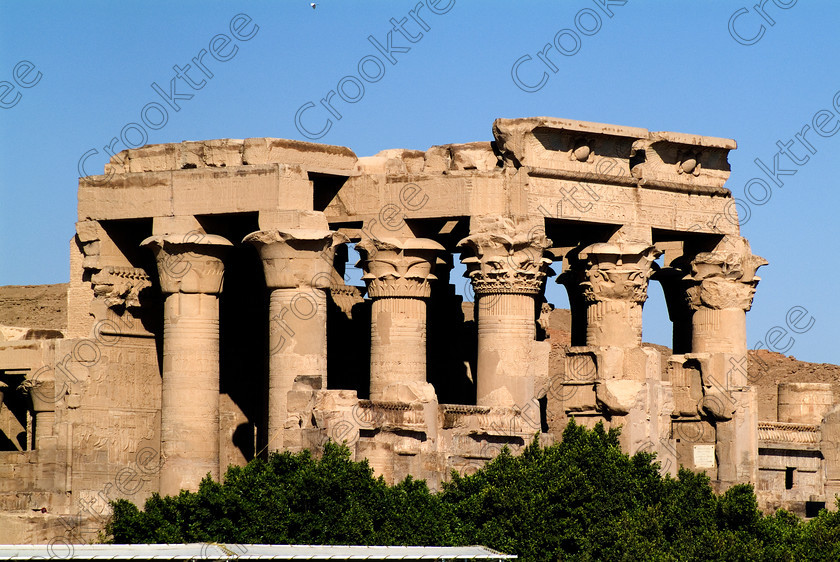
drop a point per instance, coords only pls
(612, 154)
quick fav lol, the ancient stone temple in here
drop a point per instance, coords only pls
(209, 318)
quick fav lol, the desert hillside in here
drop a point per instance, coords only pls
(34, 306)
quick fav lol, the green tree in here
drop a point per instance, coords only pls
(558, 500)
(290, 499)
(580, 499)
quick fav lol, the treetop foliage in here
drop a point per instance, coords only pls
(580, 499)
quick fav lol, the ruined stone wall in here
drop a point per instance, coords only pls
(769, 369)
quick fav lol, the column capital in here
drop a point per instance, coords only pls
(189, 263)
(508, 260)
(617, 272)
(398, 267)
(298, 257)
(723, 279)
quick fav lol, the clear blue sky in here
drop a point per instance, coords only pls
(672, 66)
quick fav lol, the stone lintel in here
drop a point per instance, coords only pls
(194, 191)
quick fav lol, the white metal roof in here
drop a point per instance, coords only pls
(218, 551)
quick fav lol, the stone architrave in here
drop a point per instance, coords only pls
(298, 266)
(191, 275)
(507, 269)
(398, 272)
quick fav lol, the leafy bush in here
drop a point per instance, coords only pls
(580, 499)
(290, 499)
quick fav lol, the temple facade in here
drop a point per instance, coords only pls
(211, 319)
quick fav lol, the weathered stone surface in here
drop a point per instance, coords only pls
(398, 273)
(239, 334)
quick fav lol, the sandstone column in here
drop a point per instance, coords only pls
(614, 289)
(720, 290)
(613, 281)
(397, 273)
(191, 274)
(722, 286)
(298, 265)
(507, 270)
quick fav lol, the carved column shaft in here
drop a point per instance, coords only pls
(397, 343)
(720, 289)
(613, 323)
(507, 270)
(506, 332)
(610, 280)
(298, 266)
(297, 351)
(397, 273)
(190, 390)
(719, 330)
(719, 322)
(191, 274)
